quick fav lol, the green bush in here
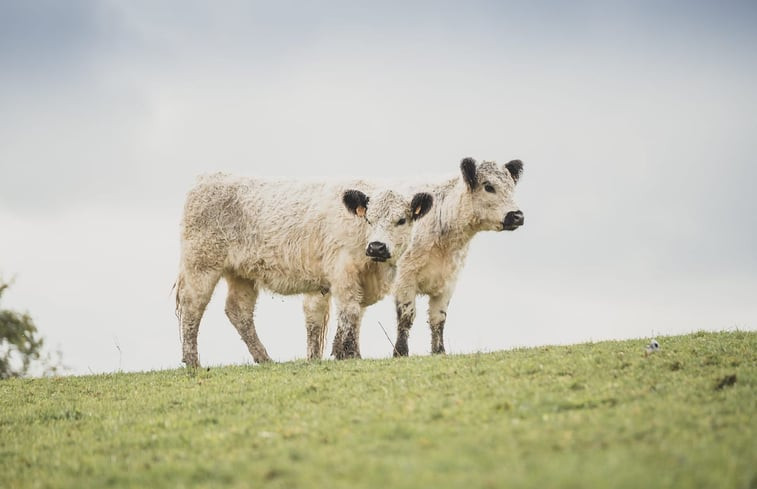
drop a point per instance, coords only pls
(20, 343)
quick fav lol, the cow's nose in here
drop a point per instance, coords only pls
(513, 220)
(377, 249)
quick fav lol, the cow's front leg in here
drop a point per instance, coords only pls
(404, 302)
(316, 307)
(437, 316)
(347, 339)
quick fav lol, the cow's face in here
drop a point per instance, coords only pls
(391, 217)
(491, 189)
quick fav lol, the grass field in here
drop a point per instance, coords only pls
(589, 415)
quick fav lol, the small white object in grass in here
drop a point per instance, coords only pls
(652, 347)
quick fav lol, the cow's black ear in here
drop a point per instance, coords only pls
(515, 167)
(356, 202)
(468, 167)
(421, 204)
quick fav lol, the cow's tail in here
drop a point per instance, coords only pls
(178, 286)
(324, 331)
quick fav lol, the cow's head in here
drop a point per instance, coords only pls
(492, 194)
(390, 216)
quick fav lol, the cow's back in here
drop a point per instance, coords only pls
(285, 234)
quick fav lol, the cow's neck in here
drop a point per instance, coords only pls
(454, 218)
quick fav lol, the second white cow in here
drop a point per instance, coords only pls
(480, 199)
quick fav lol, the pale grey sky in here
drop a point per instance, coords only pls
(636, 122)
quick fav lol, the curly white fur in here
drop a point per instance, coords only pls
(289, 237)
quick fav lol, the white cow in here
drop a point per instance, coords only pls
(289, 237)
(481, 199)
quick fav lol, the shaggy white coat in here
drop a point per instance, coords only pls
(289, 237)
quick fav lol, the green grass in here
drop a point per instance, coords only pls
(590, 415)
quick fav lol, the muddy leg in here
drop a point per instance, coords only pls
(347, 339)
(194, 290)
(405, 305)
(316, 307)
(437, 316)
(240, 308)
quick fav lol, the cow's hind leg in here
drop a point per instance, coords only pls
(193, 293)
(240, 308)
(316, 307)
(437, 316)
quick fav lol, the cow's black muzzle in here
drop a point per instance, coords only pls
(513, 220)
(377, 251)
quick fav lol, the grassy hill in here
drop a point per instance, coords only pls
(589, 415)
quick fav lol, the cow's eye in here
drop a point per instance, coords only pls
(401, 222)
(489, 188)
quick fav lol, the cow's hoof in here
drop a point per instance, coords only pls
(191, 363)
(344, 354)
(347, 348)
(401, 349)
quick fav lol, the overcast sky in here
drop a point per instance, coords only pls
(637, 124)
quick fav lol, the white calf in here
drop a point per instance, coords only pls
(481, 199)
(289, 237)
